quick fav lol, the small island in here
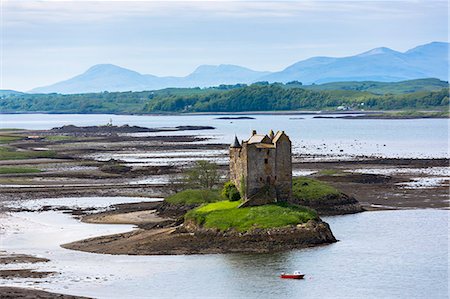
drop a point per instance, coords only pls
(261, 209)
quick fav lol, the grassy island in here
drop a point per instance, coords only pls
(322, 197)
(224, 215)
(308, 189)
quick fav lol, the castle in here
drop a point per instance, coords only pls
(261, 168)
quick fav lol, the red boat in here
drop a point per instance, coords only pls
(296, 275)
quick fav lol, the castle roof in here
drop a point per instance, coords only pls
(235, 143)
(278, 136)
(256, 138)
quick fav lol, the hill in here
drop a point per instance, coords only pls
(235, 98)
(8, 92)
(375, 87)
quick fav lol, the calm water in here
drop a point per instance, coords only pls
(389, 138)
(388, 254)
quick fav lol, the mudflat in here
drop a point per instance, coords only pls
(24, 293)
(71, 163)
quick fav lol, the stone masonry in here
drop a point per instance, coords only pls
(261, 168)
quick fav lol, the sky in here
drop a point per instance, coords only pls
(43, 42)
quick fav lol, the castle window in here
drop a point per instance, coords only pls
(266, 161)
(260, 179)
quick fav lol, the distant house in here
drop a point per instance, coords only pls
(261, 167)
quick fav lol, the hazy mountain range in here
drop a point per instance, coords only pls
(379, 64)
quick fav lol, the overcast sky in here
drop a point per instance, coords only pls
(48, 41)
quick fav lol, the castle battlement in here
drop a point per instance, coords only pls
(261, 167)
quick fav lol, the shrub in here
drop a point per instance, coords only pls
(230, 191)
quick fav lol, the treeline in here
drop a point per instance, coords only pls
(226, 98)
(259, 97)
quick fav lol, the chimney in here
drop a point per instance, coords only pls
(253, 132)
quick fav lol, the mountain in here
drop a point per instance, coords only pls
(379, 64)
(210, 75)
(108, 77)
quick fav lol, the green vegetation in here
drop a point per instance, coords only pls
(410, 114)
(231, 192)
(9, 138)
(226, 215)
(381, 88)
(11, 170)
(7, 153)
(192, 196)
(9, 129)
(58, 138)
(308, 189)
(413, 94)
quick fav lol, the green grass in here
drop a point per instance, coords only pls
(311, 190)
(417, 114)
(194, 196)
(7, 153)
(9, 138)
(58, 137)
(226, 215)
(10, 170)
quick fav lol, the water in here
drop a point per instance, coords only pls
(386, 254)
(388, 138)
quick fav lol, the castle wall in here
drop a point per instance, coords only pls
(238, 167)
(265, 167)
(261, 170)
(283, 168)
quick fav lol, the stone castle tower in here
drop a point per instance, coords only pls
(261, 168)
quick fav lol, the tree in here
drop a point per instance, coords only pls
(230, 191)
(203, 175)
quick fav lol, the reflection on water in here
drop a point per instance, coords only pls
(384, 254)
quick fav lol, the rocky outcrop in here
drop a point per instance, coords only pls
(312, 233)
(191, 239)
(166, 209)
(125, 129)
(333, 204)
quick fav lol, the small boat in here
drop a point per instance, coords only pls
(295, 275)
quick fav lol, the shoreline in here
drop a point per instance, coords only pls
(369, 114)
(9, 292)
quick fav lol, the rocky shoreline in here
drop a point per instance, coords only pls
(189, 240)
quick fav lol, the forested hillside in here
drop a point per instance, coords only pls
(232, 98)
